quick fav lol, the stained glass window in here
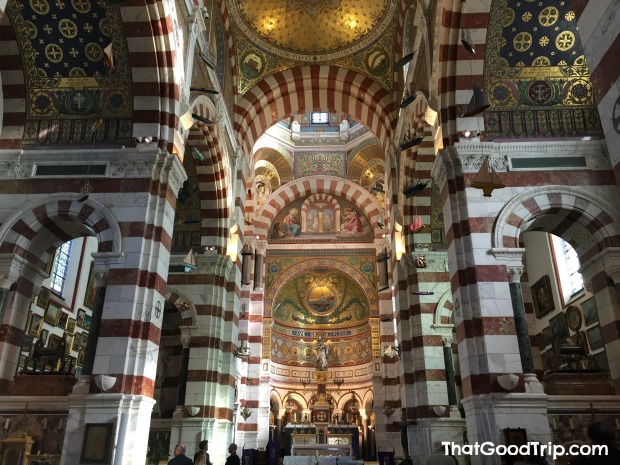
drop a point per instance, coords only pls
(59, 268)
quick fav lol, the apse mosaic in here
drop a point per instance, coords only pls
(536, 74)
(321, 217)
(299, 348)
(302, 287)
(321, 297)
(273, 35)
(76, 71)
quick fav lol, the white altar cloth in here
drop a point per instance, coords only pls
(311, 460)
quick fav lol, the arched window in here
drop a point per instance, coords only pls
(59, 268)
(319, 118)
(567, 267)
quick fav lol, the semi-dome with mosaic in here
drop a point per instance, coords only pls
(313, 26)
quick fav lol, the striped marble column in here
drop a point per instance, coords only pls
(17, 291)
(484, 316)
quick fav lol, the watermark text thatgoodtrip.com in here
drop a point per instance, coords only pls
(525, 450)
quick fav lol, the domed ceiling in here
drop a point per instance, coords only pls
(273, 35)
(287, 24)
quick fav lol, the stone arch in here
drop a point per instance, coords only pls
(20, 234)
(302, 187)
(213, 173)
(184, 305)
(564, 211)
(416, 163)
(286, 93)
(443, 318)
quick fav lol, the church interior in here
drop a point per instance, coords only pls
(346, 228)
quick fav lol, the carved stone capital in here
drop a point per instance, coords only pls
(169, 170)
(7, 280)
(514, 273)
(611, 263)
(447, 341)
(261, 247)
(101, 278)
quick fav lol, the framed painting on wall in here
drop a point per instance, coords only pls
(515, 436)
(51, 315)
(595, 338)
(96, 445)
(91, 289)
(590, 312)
(559, 328)
(62, 320)
(542, 296)
(35, 324)
(43, 299)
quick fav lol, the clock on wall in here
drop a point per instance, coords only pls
(574, 318)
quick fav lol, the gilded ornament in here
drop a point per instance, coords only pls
(67, 28)
(31, 30)
(541, 61)
(522, 41)
(54, 53)
(40, 6)
(81, 6)
(548, 16)
(565, 41)
(508, 16)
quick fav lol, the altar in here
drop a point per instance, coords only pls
(323, 460)
(308, 442)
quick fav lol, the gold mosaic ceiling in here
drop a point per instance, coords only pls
(312, 26)
(274, 35)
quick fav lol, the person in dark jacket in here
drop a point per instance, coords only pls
(233, 459)
(603, 434)
(179, 456)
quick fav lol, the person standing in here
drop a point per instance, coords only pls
(202, 456)
(233, 458)
(439, 456)
(603, 434)
(179, 456)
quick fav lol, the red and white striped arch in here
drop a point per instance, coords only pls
(153, 55)
(21, 233)
(183, 304)
(211, 174)
(317, 87)
(416, 163)
(559, 210)
(458, 69)
(306, 186)
(13, 95)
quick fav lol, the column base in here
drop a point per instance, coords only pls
(130, 417)
(488, 415)
(532, 384)
(428, 431)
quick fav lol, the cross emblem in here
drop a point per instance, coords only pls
(158, 309)
(81, 5)
(60, 4)
(88, 28)
(79, 99)
(74, 52)
(47, 28)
